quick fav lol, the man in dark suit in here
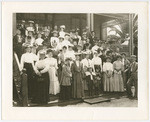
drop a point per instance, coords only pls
(132, 84)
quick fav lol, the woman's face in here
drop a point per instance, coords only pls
(42, 56)
(108, 60)
(28, 49)
(50, 54)
(61, 39)
(77, 57)
(39, 35)
(30, 33)
(55, 34)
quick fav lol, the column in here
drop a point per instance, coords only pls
(14, 23)
(88, 21)
(92, 21)
(131, 34)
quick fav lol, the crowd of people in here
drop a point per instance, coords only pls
(68, 64)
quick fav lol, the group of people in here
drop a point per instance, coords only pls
(65, 63)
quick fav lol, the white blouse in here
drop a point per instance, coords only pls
(107, 66)
(51, 62)
(27, 58)
(39, 41)
(87, 63)
(41, 64)
(97, 61)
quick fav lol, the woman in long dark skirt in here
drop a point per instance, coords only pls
(42, 80)
(77, 73)
(27, 63)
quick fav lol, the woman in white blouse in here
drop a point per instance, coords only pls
(42, 80)
(108, 84)
(27, 63)
(54, 87)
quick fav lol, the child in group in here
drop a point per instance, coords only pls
(97, 81)
(65, 82)
(90, 79)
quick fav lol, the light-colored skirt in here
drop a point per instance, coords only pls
(108, 83)
(54, 87)
(118, 82)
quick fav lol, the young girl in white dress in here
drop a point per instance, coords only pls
(54, 83)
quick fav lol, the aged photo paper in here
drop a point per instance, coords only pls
(75, 61)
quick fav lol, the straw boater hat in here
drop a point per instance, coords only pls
(31, 22)
(62, 26)
(70, 45)
(55, 32)
(133, 56)
(67, 34)
(42, 52)
(123, 54)
(23, 21)
(61, 37)
(76, 54)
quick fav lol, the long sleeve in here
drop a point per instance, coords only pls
(104, 67)
(56, 66)
(45, 69)
(22, 62)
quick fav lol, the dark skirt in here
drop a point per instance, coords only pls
(42, 89)
(30, 79)
(65, 92)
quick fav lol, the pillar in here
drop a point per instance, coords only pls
(92, 21)
(14, 23)
(88, 21)
(131, 34)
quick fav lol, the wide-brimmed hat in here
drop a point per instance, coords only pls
(62, 26)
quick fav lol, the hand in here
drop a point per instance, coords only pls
(38, 73)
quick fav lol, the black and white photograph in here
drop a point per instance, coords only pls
(75, 59)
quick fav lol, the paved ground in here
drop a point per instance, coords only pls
(122, 102)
